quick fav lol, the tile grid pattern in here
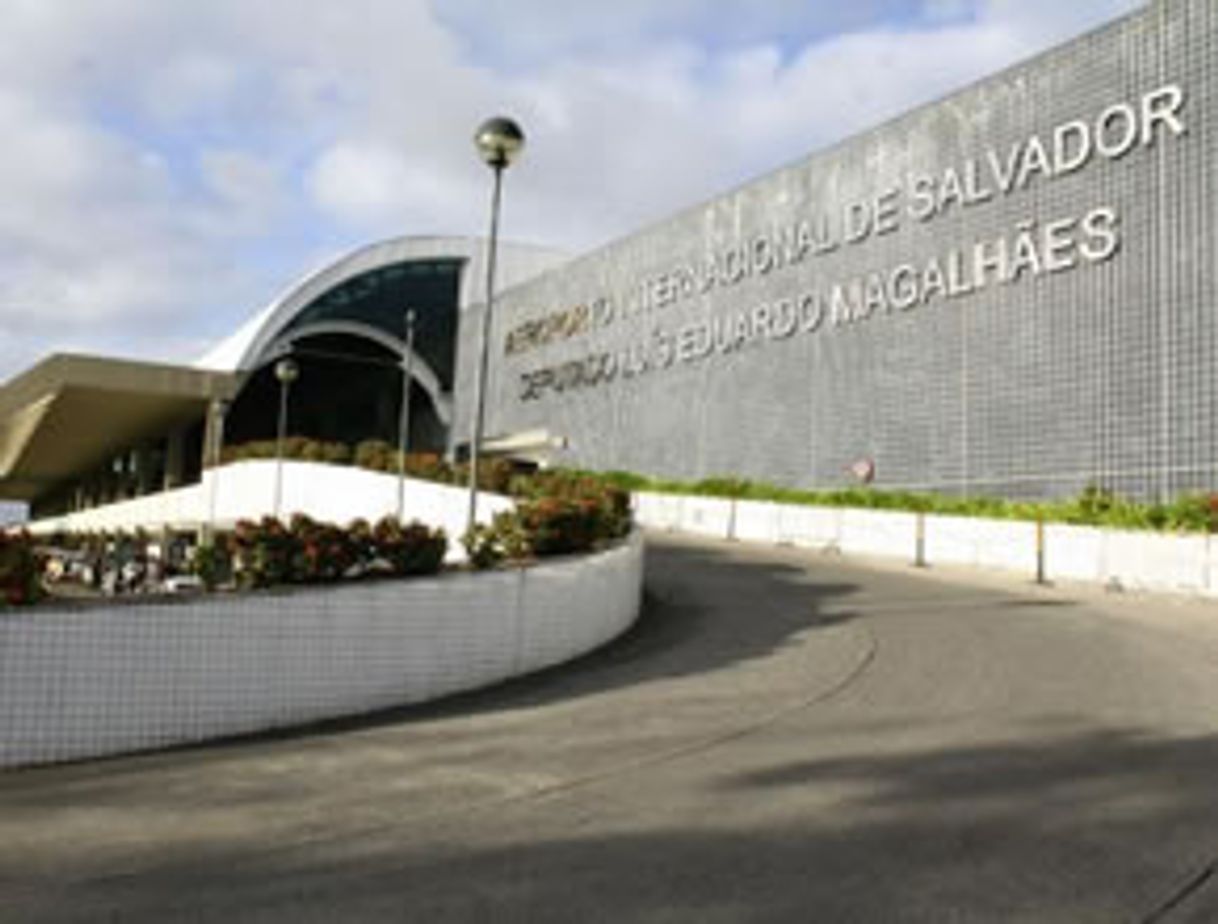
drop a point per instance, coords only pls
(127, 677)
(1100, 374)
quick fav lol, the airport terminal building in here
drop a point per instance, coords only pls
(78, 432)
(1011, 291)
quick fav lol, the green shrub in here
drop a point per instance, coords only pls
(557, 526)
(505, 539)
(320, 551)
(311, 451)
(268, 553)
(483, 547)
(376, 455)
(294, 447)
(212, 562)
(496, 475)
(1094, 506)
(563, 511)
(20, 570)
(558, 513)
(723, 487)
(336, 453)
(626, 481)
(263, 553)
(1194, 512)
(413, 548)
(428, 466)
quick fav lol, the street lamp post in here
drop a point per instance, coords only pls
(499, 141)
(287, 372)
(218, 411)
(404, 417)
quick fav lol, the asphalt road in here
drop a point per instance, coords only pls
(784, 737)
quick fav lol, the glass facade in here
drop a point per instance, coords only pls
(350, 388)
(380, 298)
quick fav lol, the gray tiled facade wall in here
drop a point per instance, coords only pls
(1094, 361)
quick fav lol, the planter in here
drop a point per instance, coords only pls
(111, 679)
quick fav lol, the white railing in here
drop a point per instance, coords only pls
(1178, 563)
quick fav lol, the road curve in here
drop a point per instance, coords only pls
(785, 736)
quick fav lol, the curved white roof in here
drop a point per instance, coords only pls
(515, 263)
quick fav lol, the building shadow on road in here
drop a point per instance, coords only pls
(1091, 826)
(704, 609)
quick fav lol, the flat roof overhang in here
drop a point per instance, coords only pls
(68, 414)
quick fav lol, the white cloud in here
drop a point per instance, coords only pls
(168, 167)
(497, 28)
(359, 181)
(248, 191)
(94, 233)
(196, 84)
(1045, 20)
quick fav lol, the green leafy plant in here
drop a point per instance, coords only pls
(410, 548)
(376, 455)
(320, 551)
(212, 562)
(268, 553)
(483, 547)
(20, 570)
(263, 553)
(1094, 506)
(294, 447)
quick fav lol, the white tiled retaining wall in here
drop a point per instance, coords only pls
(116, 679)
(246, 490)
(1186, 563)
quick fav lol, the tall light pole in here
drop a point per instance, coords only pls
(499, 141)
(219, 411)
(404, 417)
(287, 372)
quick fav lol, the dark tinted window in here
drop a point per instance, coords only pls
(381, 297)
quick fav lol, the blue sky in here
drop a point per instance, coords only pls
(169, 167)
(484, 26)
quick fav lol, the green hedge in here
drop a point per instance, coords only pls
(379, 456)
(1094, 506)
(557, 513)
(294, 447)
(20, 570)
(268, 552)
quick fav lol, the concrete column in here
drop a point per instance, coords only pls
(213, 432)
(175, 459)
(143, 472)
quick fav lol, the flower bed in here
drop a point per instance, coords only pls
(20, 570)
(564, 514)
(113, 678)
(556, 513)
(268, 552)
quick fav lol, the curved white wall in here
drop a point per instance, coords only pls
(246, 490)
(1177, 563)
(515, 263)
(114, 679)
